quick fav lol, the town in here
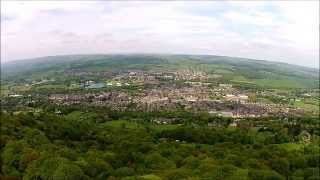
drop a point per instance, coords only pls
(187, 90)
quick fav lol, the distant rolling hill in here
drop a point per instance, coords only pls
(237, 70)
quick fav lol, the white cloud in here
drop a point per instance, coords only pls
(284, 31)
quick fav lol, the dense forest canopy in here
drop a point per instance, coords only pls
(86, 143)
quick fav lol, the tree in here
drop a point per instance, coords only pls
(94, 165)
(156, 161)
(264, 175)
(16, 156)
(191, 162)
(34, 137)
(68, 171)
(123, 172)
(175, 174)
(56, 168)
(281, 165)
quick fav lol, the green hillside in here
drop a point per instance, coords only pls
(237, 70)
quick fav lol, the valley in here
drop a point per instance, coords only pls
(138, 117)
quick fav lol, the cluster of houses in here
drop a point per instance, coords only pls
(240, 98)
(169, 98)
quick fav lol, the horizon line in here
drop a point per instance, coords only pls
(156, 53)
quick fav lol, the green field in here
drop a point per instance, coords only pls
(310, 106)
(277, 82)
(124, 124)
(44, 87)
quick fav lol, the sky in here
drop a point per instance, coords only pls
(285, 31)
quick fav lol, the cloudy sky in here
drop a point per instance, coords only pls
(285, 31)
